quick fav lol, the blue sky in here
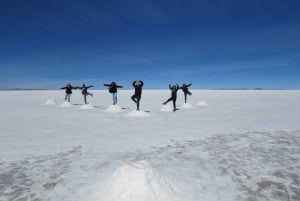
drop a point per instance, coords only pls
(210, 43)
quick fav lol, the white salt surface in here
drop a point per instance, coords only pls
(114, 109)
(202, 104)
(186, 106)
(66, 104)
(138, 114)
(244, 146)
(50, 102)
(135, 181)
(88, 106)
(166, 108)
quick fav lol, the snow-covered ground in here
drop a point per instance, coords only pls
(221, 146)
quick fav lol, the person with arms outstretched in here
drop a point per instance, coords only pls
(185, 90)
(136, 97)
(84, 92)
(68, 89)
(173, 97)
(113, 89)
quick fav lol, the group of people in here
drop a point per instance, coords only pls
(136, 97)
(83, 89)
(174, 90)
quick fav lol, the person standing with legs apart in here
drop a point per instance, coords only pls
(68, 89)
(185, 90)
(173, 97)
(136, 97)
(84, 92)
(113, 89)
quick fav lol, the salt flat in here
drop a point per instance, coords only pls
(222, 145)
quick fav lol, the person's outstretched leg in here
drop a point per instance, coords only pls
(185, 95)
(167, 100)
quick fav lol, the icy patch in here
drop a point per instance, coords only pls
(136, 181)
(138, 113)
(166, 108)
(88, 106)
(66, 104)
(186, 106)
(114, 108)
(202, 104)
(50, 102)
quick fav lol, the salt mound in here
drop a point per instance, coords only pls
(136, 181)
(202, 104)
(166, 108)
(114, 108)
(50, 102)
(66, 104)
(138, 113)
(88, 106)
(187, 106)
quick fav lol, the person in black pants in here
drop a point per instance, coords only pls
(136, 97)
(84, 92)
(68, 89)
(173, 97)
(113, 89)
(185, 90)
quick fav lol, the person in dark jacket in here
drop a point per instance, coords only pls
(185, 90)
(136, 97)
(84, 92)
(173, 97)
(113, 89)
(68, 89)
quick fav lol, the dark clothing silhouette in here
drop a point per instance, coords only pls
(136, 97)
(68, 89)
(185, 90)
(173, 97)
(113, 89)
(84, 92)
